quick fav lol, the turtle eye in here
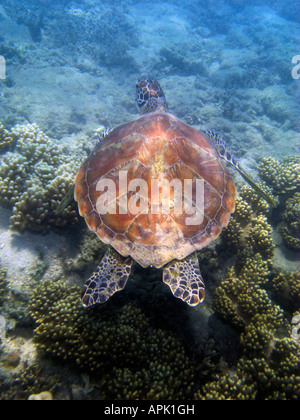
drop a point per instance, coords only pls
(141, 83)
(154, 92)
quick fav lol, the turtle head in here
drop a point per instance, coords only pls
(150, 96)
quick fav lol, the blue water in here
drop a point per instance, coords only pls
(70, 67)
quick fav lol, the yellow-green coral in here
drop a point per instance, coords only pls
(291, 218)
(260, 237)
(248, 297)
(34, 179)
(274, 376)
(286, 287)
(255, 269)
(239, 297)
(269, 366)
(37, 205)
(248, 231)
(36, 146)
(232, 385)
(243, 211)
(255, 201)
(12, 178)
(283, 176)
(118, 345)
(6, 139)
(31, 379)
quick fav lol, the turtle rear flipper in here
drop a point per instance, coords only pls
(110, 277)
(185, 280)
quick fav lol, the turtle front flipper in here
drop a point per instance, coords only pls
(225, 154)
(110, 277)
(185, 280)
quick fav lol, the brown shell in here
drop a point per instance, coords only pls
(156, 146)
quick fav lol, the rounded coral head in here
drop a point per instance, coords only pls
(150, 96)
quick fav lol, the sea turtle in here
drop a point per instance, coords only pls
(122, 192)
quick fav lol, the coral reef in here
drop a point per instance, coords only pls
(250, 218)
(32, 382)
(130, 355)
(239, 297)
(269, 362)
(3, 286)
(247, 300)
(30, 15)
(217, 78)
(34, 179)
(72, 28)
(133, 359)
(283, 176)
(91, 250)
(291, 219)
(269, 365)
(286, 289)
(262, 377)
(249, 231)
(6, 139)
